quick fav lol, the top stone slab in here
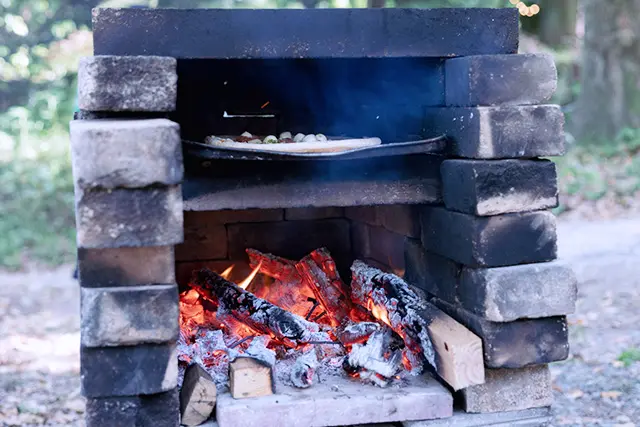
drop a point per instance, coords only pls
(309, 33)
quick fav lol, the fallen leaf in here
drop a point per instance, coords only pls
(575, 394)
(610, 394)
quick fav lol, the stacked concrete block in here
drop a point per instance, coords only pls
(127, 176)
(487, 256)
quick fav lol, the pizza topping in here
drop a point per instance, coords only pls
(285, 135)
(270, 140)
(321, 137)
(298, 137)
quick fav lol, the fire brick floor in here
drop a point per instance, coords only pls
(39, 336)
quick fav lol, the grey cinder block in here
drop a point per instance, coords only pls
(127, 83)
(151, 216)
(125, 153)
(160, 409)
(510, 390)
(523, 79)
(129, 315)
(494, 241)
(487, 187)
(128, 371)
(500, 132)
(126, 266)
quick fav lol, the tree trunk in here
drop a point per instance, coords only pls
(557, 25)
(610, 97)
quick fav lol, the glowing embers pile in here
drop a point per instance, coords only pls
(301, 318)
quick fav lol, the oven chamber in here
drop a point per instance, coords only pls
(468, 225)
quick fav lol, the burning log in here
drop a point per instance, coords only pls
(319, 272)
(289, 290)
(250, 377)
(451, 349)
(285, 327)
(376, 360)
(197, 396)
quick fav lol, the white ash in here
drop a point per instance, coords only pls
(258, 350)
(304, 369)
(376, 356)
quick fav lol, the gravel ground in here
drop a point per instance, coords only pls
(39, 338)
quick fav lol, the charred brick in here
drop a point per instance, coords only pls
(495, 241)
(203, 241)
(150, 216)
(128, 371)
(500, 132)
(401, 219)
(515, 344)
(524, 79)
(481, 187)
(129, 315)
(125, 153)
(501, 294)
(161, 409)
(127, 83)
(193, 219)
(387, 247)
(510, 390)
(126, 266)
(313, 213)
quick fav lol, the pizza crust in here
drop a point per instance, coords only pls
(329, 146)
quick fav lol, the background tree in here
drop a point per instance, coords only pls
(610, 78)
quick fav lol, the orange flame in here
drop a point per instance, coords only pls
(379, 313)
(246, 282)
(226, 273)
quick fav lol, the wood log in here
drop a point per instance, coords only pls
(319, 272)
(265, 318)
(250, 377)
(356, 333)
(197, 396)
(451, 349)
(289, 290)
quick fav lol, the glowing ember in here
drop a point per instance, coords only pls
(246, 282)
(296, 308)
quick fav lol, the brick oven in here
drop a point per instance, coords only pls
(463, 217)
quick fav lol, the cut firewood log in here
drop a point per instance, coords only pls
(250, 377)
(197, 396)
(319, 271)
(451, 349)
(265, 318)
(274, 266)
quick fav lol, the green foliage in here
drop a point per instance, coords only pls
(36, 201)
(629, 356)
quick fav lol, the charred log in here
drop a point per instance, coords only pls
(304, 369)
(285, 327)
(319, 272)
(356, 333)
(376, 360)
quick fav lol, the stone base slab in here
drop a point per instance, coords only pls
(338, 402)
(537, 417)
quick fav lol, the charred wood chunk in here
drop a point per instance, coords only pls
(319, 272)
(285, 327)
(304, 369)
(376, 356)
(356, 333)
(428, 333)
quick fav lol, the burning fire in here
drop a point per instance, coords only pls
(246, 282)
(297, 307)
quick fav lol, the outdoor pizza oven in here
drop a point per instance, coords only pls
(455, 201)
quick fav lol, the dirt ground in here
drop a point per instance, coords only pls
(39, 340)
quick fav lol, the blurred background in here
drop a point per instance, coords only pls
(596, 45)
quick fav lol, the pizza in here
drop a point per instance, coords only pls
(300, 143)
